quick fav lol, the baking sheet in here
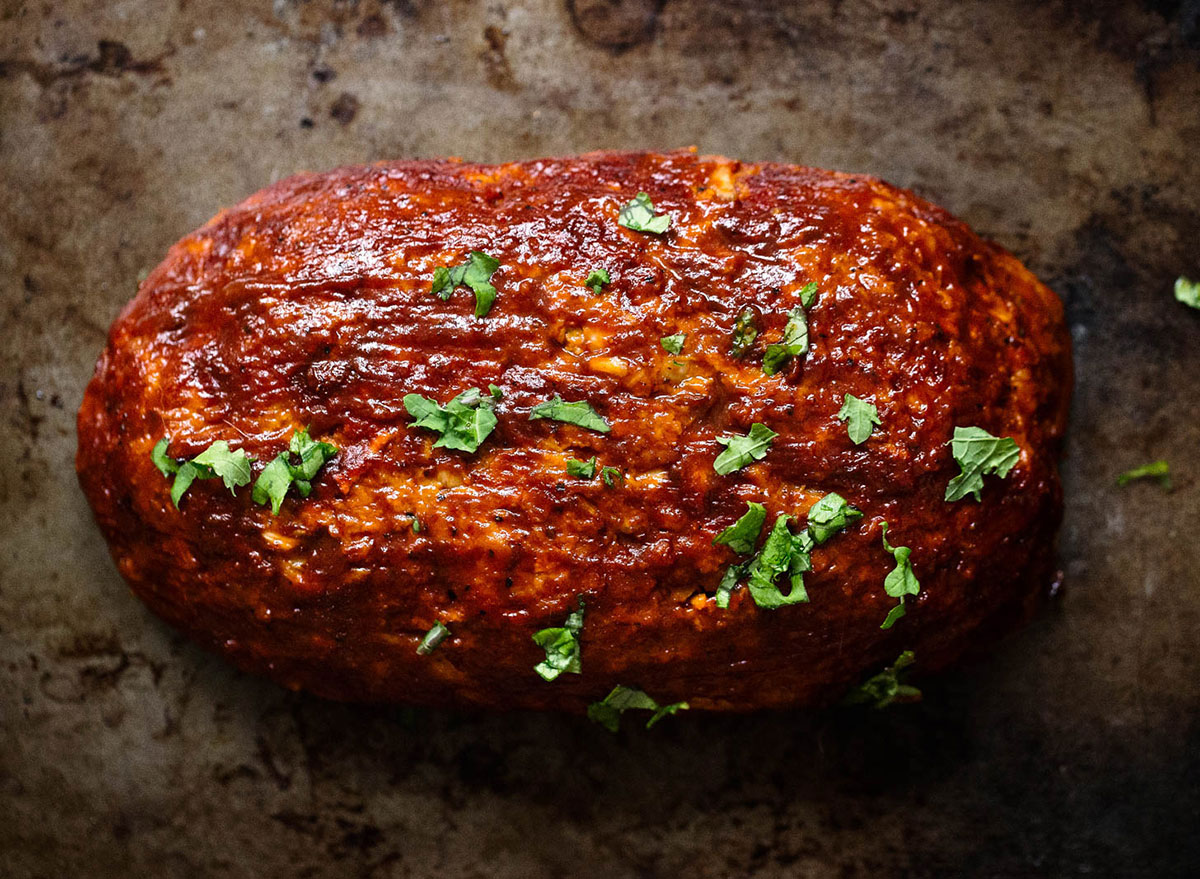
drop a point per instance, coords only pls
(1068, 132)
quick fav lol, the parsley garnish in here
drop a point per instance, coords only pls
(281, 474)
(596, 279)
(830, 515)
(608, 712)
(580, 413)
(744, 332)
(741, 450)
(885, 688)
(611, 476)
(582, 469)
(901, 581)
(795, 333)
(496, 392)
(639, 216)
(783, 552)
(217, 460)
(860, 416)
(1187, 291)
(979, 453)
(561, 644)
(742, 535)
(436, 635)
(464, 422)
(673, 344)
(1159, 470)
(475, 273)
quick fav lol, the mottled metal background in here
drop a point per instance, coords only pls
(1071, 134)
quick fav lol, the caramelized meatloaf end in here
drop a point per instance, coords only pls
(310, 305)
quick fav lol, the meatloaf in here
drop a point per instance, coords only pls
(578, 397)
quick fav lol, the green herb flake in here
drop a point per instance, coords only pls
(808, 294)
(496, 392)
(218, 460)
(281, 474)
(611, 476)
(830, 515)
(475, 273)
(561, 644)
(741, 450)
(1158, 470)
(900, 582)
(1187, 291)
(673, 344)
(742, 535)
(579, 413)
(860, 416)
(436, 635)
(795, 342)
(639, 216)
(608, 712)
(581, 469)
(596, 280)
(463, 423)
(782, 552)
(745, 331)
(885, 688)
(978, 454)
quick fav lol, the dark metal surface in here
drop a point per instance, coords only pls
(1068, 135)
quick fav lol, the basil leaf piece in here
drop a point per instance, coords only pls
(281, 474)
(1187, 291)
(611, 476)
(741, 450)
(883, 689)
(830, 515)
(783, 552)
(639, 216)
(1159, 470)
(561, 644)
(475, 273)
(579, 413)
(581, 469)
(463, 423)
(673, 344)
(596, 279)
(795, 342)
(901, 581)
(978, 453)
(608, 712)
(744, 332)
(742, 535)
(436, 635)
(860, 416)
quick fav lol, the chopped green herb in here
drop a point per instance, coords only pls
(608, 712)
(582, 469)
(233, 467)
(580, 413)
(783, 552)
(475, 273)
(561, 644)
(1187, 291)
(596, 279)
(673, 344)
(830, 515)
(463, 423)
(885, 688)
(860, 416)
(639, 216)
(742, 535)
(744, 332)
(436, 635)
(795, 342)
(416, 524)
(281, 474)
(808, 294)
(733, 575)
(611, 476)
(978, 453)
(741, 450)
(1159, 470)
(496, 392)
(900, 582)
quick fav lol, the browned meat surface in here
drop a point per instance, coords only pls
(310, 304)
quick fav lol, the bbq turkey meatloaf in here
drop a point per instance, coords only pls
(512, 436)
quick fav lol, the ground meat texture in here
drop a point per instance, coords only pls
(310, 304)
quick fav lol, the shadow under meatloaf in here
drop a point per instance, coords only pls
(310, 304)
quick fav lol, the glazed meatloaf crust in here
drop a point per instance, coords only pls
(319, 303)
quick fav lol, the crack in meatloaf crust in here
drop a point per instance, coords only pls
(310, 305)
